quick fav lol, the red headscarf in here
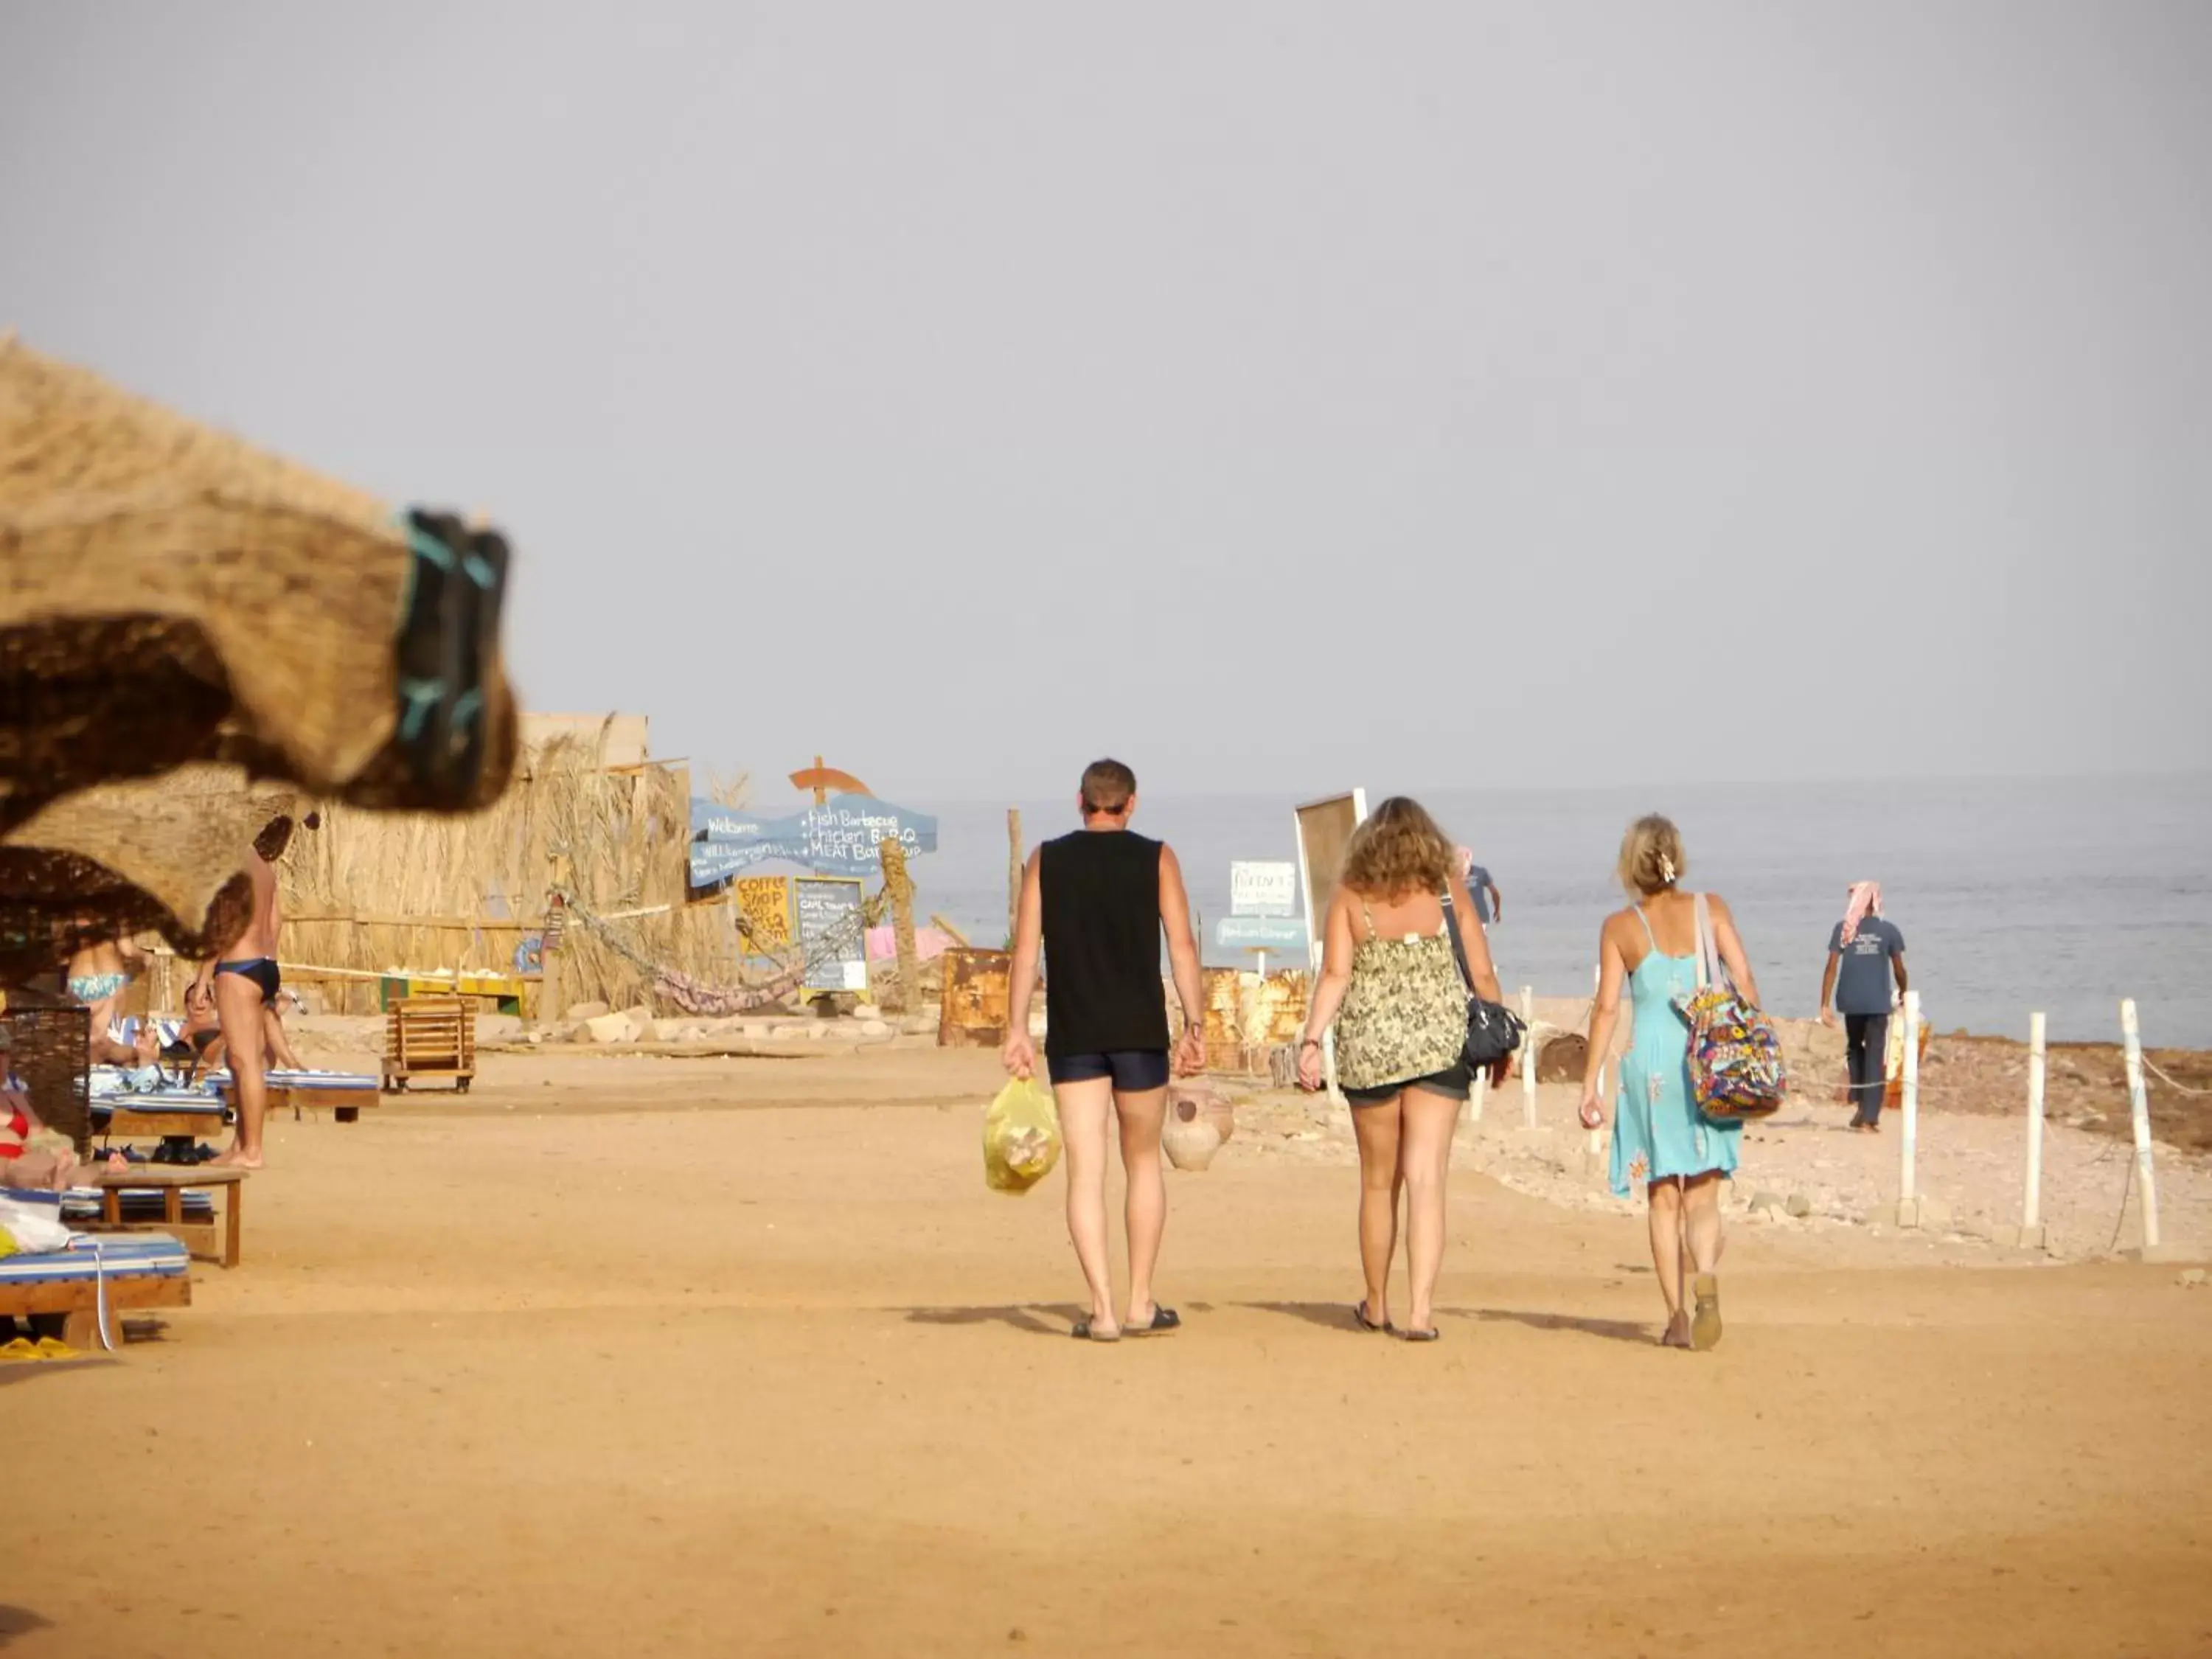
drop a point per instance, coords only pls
(1865, 901)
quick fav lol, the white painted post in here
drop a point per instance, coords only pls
(1595, 1141)
(2031, 1205)
(1908, 1196)
(2139, 1111)
(1528, 1057)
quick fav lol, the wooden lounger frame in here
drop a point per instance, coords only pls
(430, 1036)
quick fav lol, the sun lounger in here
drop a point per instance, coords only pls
(430, 1036)
(162, 1198)
(188, 1115)
(342, 1094)
(94, 1280)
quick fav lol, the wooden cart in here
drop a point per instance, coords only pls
(430, 1038)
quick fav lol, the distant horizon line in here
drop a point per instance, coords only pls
(1295, 797)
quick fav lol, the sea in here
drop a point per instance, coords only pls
(2062, 895)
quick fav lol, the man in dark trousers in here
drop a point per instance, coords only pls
(1865, 955)
(1097, 899)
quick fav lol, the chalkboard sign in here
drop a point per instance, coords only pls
(832, 933)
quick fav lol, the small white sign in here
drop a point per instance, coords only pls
(856, 975)
(1266, 889)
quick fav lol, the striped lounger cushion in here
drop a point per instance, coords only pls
(172, 1102)
(155, 1255)
(308, 1081)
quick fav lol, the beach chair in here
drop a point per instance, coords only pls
(85, 1286)
(342, 1094)
(430, 1036)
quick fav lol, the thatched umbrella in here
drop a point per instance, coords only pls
(169, 594)
(122, 859)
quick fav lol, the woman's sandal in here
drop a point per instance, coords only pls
(1083, 1333)
(1706, 1325)
(1162, 1320)
(1677, 1334)
(1430, 1335)
(1360, 1314)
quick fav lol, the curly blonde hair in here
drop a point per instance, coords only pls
(1651, 856)
(1398, 850)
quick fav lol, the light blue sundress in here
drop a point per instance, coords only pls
(1657, 1130)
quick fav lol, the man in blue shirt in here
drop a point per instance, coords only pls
(1489, 902)
(1866, 954)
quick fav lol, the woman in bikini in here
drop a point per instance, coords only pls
(1392, 986)
(1660, 1141)
(32, 1155)
(96, 976)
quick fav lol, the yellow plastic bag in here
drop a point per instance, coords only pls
(1021, 1137)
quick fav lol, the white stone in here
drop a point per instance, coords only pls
(579, 1012)
(610, 1028)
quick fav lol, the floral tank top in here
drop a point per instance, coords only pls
(1404, 1014)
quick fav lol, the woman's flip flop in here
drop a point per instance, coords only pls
(1360, 1314)
(1705, 1323)
(1083, 1333)
(1162, 1320)
(1430, 1335)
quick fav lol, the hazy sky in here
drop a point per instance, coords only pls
(1275, 395)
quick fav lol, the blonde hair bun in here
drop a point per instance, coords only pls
(1651, 857)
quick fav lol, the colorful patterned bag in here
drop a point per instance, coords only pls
(1735, 1057)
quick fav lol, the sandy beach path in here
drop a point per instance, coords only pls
(659, 1357)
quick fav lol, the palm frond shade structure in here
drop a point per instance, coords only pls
(122, 859)
(169, 593)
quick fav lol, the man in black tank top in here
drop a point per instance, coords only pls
(1096, 901)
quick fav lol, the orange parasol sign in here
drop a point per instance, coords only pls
(823, 778)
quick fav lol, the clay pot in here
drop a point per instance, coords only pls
(1199, 1123)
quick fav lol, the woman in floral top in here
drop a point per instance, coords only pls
(1393, 987)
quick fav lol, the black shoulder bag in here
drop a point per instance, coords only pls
(1493, 1031)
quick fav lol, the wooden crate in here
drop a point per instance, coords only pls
(972, 1012)
(430, 1038)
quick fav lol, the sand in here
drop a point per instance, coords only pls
(670, 1357)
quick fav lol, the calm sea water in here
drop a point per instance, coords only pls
(2063, 894)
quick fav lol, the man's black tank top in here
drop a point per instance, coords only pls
(1102, 943)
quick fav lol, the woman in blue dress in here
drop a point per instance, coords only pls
(1660, 1141)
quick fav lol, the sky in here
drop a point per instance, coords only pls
(1271, 394)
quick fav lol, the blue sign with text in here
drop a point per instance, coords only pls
(837, 838)
(1260, 933)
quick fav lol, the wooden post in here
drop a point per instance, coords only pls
(549, 1006)
(900, 892)
(1014, 873)
(1529, 1058)
(2139, 1113)
(2031, 1207)
(1594, 1143)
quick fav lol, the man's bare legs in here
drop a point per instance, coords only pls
(1377, 1129)
(1426, 1120)
(1142, 1115)
(1084, 1108)
(238, 1005)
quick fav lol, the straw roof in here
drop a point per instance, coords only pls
(162, 857)
(168, 593)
